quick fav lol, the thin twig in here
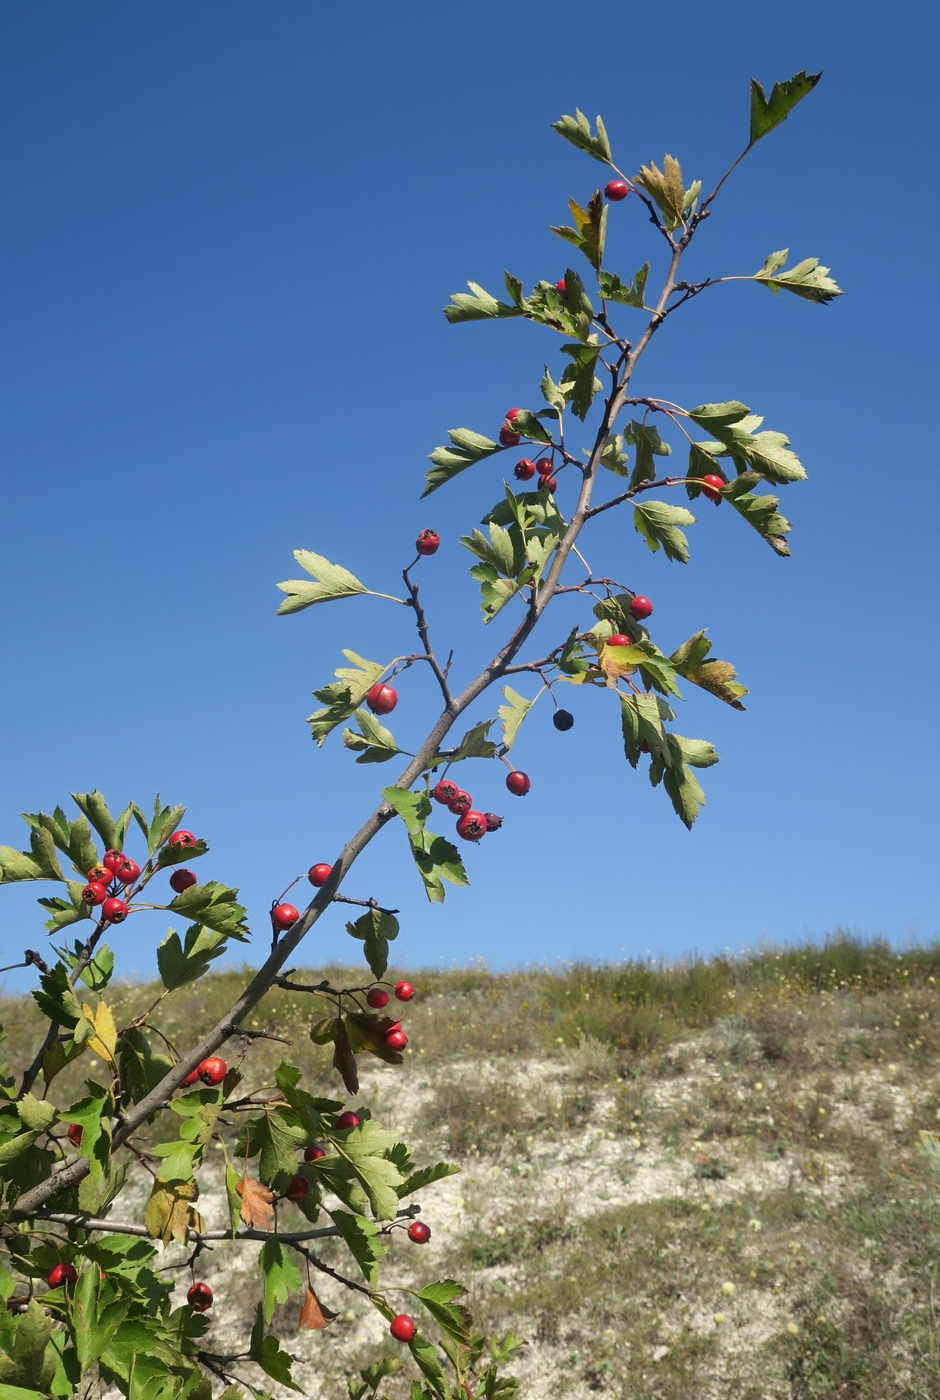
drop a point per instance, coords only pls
(422, 625)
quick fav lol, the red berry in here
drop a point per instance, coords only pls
(428, 542)
(94, 894)
(711, 487)
(472, 826)
(211, 1071)
(127, 872)
(59, 1274)
(283, 916)
(199, 1297)
(114, 910)
(404, 991)
(112, 859)
(318, 875)
(348, 1120)
(181, 880)
(619, 639)
(99, 875)
(524, 470)
(298, 1188)
(544, 466)
(493, 822)
(518, 783)
(186, 839)
(314, 1152)
(562, 287)
(402, 1328)
(382, 699)
(418, 1232)
(513, 415)
(616, 189)
(191, 1078)
(74, 1134)
(508, 438)
(460, 804)
(377, 997)
(445, 791)
(549, 483)
(396, 1039)
(640, 607)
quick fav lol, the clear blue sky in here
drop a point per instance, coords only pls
(226, 234)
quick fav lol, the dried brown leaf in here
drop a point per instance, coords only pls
(313, 1314)
(257, 1204)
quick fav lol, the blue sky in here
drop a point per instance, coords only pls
(227, 232)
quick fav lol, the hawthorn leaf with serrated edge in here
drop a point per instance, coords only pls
(363, 1149)
(414, 808)
(479, 306)
(425, 1176)
(496, 592)
(641, 720)
(111, 830)
(161, 826)
(499, 551)
(182, 962)
(64, 912)
(363, 1240)
(766, 113)
(31, 1369)
(554, 394)
(613, 456)
(342, 697)
(39, 863)
(256, 1207)
(72, 838)
(512, 714)
(344, 1059)
(440, 1299)
(717, 677)
(104, 1040)
(580, 375)
(437, 860)
(376, 929)
(678, 757)
(233, 1198)
(266, 1352)
(702, 462)
(591, 228)
(577, 130)
(375, 744)
(665, 188)
(474, 744)
(658, 523)
(467, 448)
(626, 293)
(569, 311)
(766, 453)
(807, 279)
(331, 582)
(167, 1216)
(56, 998)
(759, 511)
(213, 905)
(281, 1276)
(527, 425)
(648, 444)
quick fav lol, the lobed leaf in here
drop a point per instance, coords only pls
(577, 130)
(766, 113)
(331, 582)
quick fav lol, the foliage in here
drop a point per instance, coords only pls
(111, 1318)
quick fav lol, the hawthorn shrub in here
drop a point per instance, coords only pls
(88, 1300)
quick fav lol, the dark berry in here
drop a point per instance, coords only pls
(544, 466)
(382, 699)
(182, 880)
(493, 822)
(508, 438)
(298, 1188)
(550, 484)
(59, 1274)
(396, 1039)
(314, 1152)
(348, 1120)
(460, 804)
(563, 720)
(428, 542)
(74, 1134)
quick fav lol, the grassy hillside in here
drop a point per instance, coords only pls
(705, 1180)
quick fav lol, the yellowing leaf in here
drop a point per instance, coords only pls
(104, 1040)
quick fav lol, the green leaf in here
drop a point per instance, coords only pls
(414, 808)
(569, 311)
(759, 511)
(364, 1148)
(375, 744)
(31, 1368)
(179, 963)
(659, 523)
(626, 293)
(807, 279)
(674, 763)
(39, 863)
(555, 394)
(94, 807)
(767, 452)
(72, 838)
(281, 1276)
(502, 551)
(94, 1115)
(476, 743)
(440, 1299)
(331, 583)
(266, 1352)
(363, 1239)
(65, 911)
(342, 697)
(717, 677)
(591, 228)
(425, 1176)
(702, 462)
(572, 660)
(466, 449)
(160, 828)
(437, 860)
(665, 188)
(35, 1114)
(55, 997)
(577, 130)
(512, 714)
(613, 456)
(642, 722)
(376, 929)
(495, 592)
(139, 1068)
(215, 906)
(655, 669)
(98, 1311)
(768, 113)
(527, 425)
(580, 376)
(479, 306)
(648, 445)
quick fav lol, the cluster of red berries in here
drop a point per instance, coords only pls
(377, 998)
(526, 469)
(103, 880)
(472, 825)
(210, 1071)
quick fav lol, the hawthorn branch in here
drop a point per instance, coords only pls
(130, 1227)
(422, 624)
